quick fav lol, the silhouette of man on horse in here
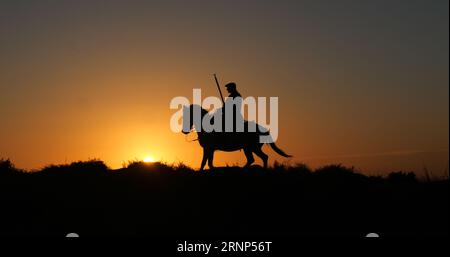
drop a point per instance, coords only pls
(235, 134)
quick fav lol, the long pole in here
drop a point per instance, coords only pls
(220, 91)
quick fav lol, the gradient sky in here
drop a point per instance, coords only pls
(362, 83)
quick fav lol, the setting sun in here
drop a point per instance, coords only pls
(149, 159)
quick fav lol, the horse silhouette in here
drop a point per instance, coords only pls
(228, 141)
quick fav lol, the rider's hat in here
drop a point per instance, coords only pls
(231, 85)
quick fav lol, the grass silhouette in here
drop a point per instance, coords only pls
(158, 199)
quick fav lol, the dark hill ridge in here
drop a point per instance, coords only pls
(173, 200)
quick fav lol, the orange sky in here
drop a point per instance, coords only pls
(83, 81)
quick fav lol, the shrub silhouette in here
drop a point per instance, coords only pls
(160, 199)
(8, 168)
(92, 166)
(337, 172)
(6, 165)
(402, 177)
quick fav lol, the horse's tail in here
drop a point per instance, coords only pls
(279, 151)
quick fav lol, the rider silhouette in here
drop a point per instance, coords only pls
(231, 88)
(233, 103)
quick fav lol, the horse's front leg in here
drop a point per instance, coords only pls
(205, 157)
(210, 156)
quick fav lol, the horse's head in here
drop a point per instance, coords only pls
(188, 117)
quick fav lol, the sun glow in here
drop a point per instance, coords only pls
(149, 159)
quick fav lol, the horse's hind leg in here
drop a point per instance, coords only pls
(249, 155)
(258, 151)
(205, 157)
